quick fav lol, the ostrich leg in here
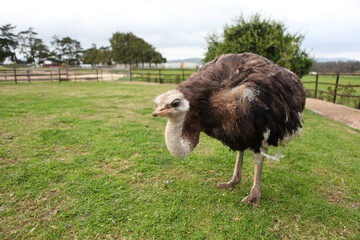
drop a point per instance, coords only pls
(255, 193)
(236, 178)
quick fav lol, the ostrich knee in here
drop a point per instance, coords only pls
(236, 178)
(255, 193)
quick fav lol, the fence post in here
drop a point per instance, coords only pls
(15, 78)
(130, 73)
(160, 80)
(28, 75)
(59, 75)
(336, 86)
(183, 74)
(97, 74)
(316, 84)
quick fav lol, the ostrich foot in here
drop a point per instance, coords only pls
(227, 185)
(236, 178)
(253, 197)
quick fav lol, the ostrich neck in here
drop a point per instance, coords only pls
(176, 142)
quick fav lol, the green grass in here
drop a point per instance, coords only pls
(345, 80)
(88, 161)
(166, 75)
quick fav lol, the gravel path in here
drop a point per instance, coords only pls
(349, 116)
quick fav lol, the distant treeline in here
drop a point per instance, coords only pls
(334, 67)
(25, 47)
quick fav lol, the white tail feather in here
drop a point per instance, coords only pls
(277, 156)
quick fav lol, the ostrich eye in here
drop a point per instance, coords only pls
(175, 103)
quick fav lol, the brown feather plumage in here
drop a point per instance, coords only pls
(237, 97)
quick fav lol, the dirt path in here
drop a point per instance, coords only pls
(349, 116)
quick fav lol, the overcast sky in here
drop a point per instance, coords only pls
(177, 29)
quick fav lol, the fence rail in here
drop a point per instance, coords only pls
(61, 74)
(161, 75)
(314, 84)
(334, 93)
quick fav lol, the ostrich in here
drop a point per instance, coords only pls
(245, 101)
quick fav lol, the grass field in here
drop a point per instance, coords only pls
(88, 161)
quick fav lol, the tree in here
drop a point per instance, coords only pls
(128, 48)
(8, 43)
(95, 56)
(33, 49)
(66, 50)
(155, 57)
(104, 56)
(91, 55)
(39, 52)
(24, 43)
(122, 45)
(334, 67)
(264, 37)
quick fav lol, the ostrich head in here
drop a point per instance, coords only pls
(171, 104)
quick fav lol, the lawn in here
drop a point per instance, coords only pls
(88, 161)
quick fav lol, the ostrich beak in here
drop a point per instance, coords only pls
(159, 111)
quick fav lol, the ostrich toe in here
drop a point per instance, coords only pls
(253, 198)
(227, 185)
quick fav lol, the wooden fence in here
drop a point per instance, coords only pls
(61, 74)
(316, 91)
(161, 75)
